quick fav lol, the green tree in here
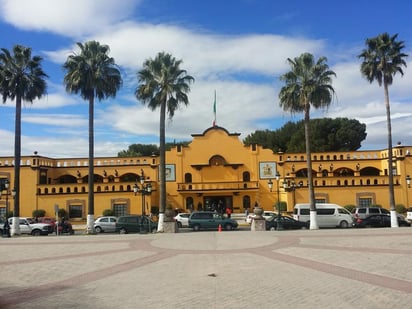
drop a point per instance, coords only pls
(137, 150)
(381, 60)
(339, 134)
(21, 79)
(93, 74)
(307, 84)
(163, 84)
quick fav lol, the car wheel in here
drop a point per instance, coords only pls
(123, 231)
(272, 228)
(228, 227)
(179, 224)
(154, 230)
(98, 229)
(196, 227)
(343, 225)
(36, 233)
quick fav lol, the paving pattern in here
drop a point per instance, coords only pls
(370, 268)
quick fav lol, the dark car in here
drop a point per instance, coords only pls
(380, 220)
(135, 224)
(210, 220)
(287, 223)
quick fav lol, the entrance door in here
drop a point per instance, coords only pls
(218, 203)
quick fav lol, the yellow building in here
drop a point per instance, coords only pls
(215, 170)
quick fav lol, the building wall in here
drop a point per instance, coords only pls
(216, 167)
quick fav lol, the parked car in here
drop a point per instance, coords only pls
(182, 219)
(267, 215)
(135, 224)
(287, 223)
(29, 226)
(210, 220)
(380, 220)
(327, 215)
(106, 224)
(363, 212)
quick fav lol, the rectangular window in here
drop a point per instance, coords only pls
(325, 211)
(365, 202)
(75, 211)
(320, 201)
(120, 210)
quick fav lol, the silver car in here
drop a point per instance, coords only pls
(105, 224)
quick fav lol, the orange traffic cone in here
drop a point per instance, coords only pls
(219, 229)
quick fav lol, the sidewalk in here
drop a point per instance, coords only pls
(330, 268)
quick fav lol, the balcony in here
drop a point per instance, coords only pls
(218, 186)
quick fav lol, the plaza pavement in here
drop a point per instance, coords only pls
(328, 268)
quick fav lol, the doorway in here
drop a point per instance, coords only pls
(218, 203)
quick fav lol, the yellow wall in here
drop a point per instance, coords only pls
(217, 162)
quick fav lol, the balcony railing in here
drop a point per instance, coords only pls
(218, 186)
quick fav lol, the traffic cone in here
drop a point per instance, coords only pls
(219, 229)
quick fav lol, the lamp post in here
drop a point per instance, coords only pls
(144, 189)
(6, 228)
(279, 217)
(291, 187)
(408, 182)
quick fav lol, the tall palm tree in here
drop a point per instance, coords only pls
(93, 74)
(307, 84)
(23, 79)
(382, 59)
(163, 84)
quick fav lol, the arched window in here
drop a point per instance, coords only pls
(246, 201)
(189, 203)
(188, 177)
(246, 176)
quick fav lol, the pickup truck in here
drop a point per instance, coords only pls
(29, 226)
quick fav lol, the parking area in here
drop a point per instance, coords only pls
(330, 268)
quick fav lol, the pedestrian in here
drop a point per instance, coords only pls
(228, 211)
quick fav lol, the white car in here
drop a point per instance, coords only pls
(29, 226)
(105, 224)
(266, 214)
(182, 219)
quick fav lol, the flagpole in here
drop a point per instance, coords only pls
(214, 111)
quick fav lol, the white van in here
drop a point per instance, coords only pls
(328, 215)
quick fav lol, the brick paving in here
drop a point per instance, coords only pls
(331, 268)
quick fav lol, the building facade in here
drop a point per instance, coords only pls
(215, 170)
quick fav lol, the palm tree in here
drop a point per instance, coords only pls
(307, 84)
(93, 74)
(23, 79)
(382, 59)
(163, 84)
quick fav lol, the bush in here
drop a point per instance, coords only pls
(108, 212)
(62, 213)
(349, 208)
(283, 206)
(400, 209)
(37, 213)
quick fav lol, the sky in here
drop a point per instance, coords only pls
(238, 48)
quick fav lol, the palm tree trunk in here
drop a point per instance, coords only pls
(313, 219)
(15, 229)
(394, 219)
(162, 167)
(90, 213)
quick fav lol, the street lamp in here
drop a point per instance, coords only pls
(279, 223)
(6, 228)
(291, 187)
(144, 189)
(279, 217)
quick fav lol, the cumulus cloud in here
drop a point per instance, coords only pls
(71, 18)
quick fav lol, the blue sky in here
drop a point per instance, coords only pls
(236, 47)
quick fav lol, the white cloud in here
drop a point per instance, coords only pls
(71, 18)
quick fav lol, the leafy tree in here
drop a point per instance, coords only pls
(381, 60)
(308, 84)
(137, 150)
(163, 84)
(21, 79)
(37, 213)
(93, 74)
(339, 134)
